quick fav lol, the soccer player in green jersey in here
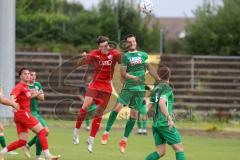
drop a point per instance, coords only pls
(142, 115)
(164, 131)
(37, 87)
(134, 65)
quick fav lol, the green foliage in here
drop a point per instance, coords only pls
(216, 31)
(57, 21)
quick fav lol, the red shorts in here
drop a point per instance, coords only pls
(24, 121)
(100, 98)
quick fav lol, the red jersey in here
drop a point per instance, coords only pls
(23, 96)
(103, 68)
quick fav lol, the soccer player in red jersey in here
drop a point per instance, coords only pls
(13, 104)
(99, 89)
(24, 120)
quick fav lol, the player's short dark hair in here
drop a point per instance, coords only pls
(129, 36)
(84, 50)
(21, 70)
(101, 39)
(31, 70)
(164, 73)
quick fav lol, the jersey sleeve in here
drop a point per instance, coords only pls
(124, 60)
(89, 58)
(39, 86)
(16, 91)
(146, 58)
(165, 95)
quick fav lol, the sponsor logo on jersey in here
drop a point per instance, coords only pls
(135, 60)
(105, 63)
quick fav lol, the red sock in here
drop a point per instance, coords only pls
(16, 144)
(80, 118)
(42, 135)
(95, 126)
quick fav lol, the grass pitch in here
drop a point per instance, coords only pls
(60, 139)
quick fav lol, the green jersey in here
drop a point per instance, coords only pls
(34, 101)
(136, 63)
(162, 90)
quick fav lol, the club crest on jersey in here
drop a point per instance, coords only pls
(135, 60)
(110, 57)
(28, 94)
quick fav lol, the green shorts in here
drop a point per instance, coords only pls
(132, 98)
(143, 110)
(163, 135)
(40, 119)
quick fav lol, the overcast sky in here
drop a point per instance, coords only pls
(163, 8)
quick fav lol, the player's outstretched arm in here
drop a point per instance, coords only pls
(164, 110)
(153, 72)
(126, 75)
(8, 102)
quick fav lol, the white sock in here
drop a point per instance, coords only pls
(125, 139)
(91, 139)
(4, 151)
(76, 131)
(106, 132)
(47, 153)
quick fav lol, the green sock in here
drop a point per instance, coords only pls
(32, 141)
(87, 121)
(38, 147)
(153, 156)
(129, 126)
(180, 156)
(112, 118)
(139, 123)
(144, 124)
(2, 141)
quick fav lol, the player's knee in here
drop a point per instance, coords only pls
(42, 132)
(22, 142)
(118, 107)
(47, 130)
(178, 147)
(161, 152)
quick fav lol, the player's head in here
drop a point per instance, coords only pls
(131, 42)
(103, 45)
(33, 75)
(24, 75)
(84, 52)
(164, 73)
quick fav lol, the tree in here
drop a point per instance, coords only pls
(216, 30)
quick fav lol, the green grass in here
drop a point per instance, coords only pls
(60, 138)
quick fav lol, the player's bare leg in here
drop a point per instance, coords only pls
(178, 148)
